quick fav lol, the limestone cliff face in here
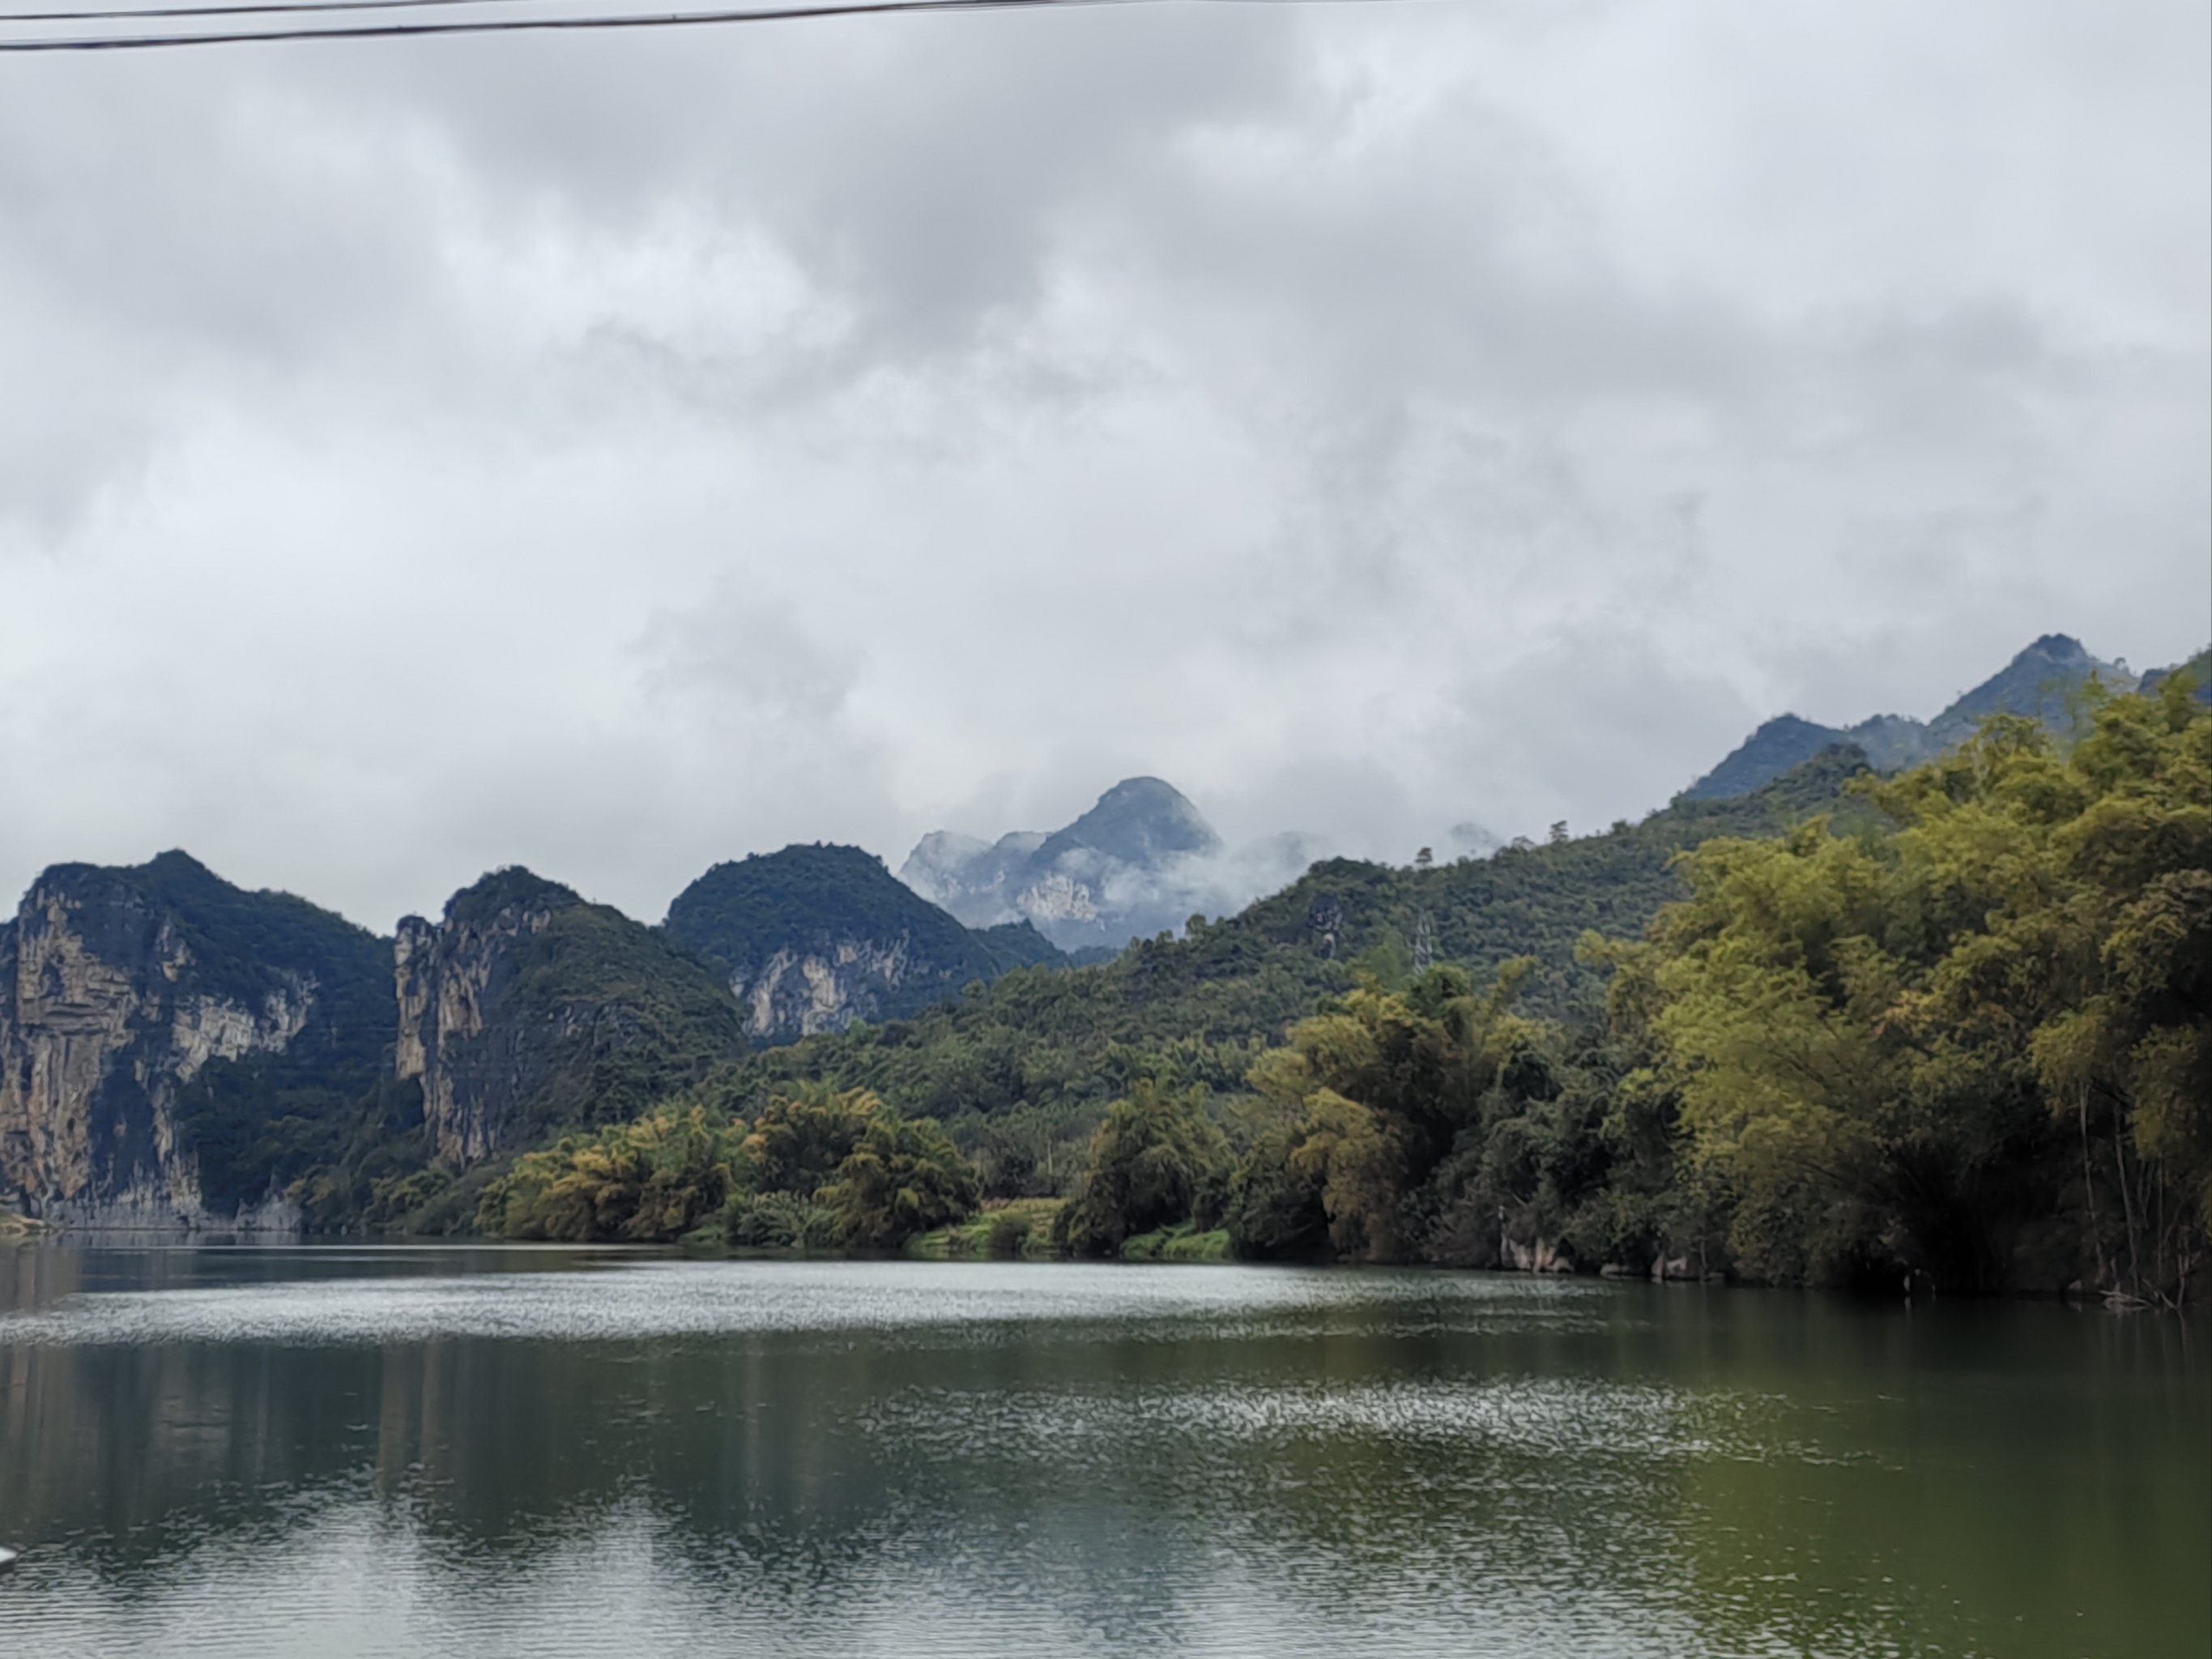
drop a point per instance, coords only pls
(794, 994)
(447, 977)
(122, 996)
(526, 1009)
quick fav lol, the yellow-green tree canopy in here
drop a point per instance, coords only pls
(1881, 1038)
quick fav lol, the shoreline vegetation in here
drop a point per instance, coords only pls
(1950, 1035)
(1947, 1031)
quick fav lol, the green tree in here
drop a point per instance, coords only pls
(804, 1132)
(649, 1180)
(902, 1177)
(1879, 1039)
(1157, 1159)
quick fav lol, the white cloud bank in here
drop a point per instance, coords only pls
(620, 455)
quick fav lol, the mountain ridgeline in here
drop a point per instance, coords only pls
(179, 1050)
(2045, 682)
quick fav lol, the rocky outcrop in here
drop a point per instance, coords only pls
(138, 1007)
(812, 939)
(446, 977)
(524, 1009)
(792, 995)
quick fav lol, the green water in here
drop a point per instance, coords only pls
(370, 1451)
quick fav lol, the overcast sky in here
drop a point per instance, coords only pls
(615, 455)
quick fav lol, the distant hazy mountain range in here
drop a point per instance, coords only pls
(1140, 862)
(2042, 682)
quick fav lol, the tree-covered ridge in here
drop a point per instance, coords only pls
(243, 944)
(1011, 944)
(2045, 682)
(816, 899)
(253, 1124)
(509, 889)
(604, 1016)
(1955, 1030)
(1199, 1010)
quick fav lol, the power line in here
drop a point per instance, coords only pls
(135, 13)
(490, 25)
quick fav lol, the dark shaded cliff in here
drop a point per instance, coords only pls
(526, 1009)
(175, 1048)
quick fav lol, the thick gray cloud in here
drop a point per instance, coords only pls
(619, 454)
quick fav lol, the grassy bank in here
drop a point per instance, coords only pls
(1020, 1227)
(13, 1227)
(1180, 1243)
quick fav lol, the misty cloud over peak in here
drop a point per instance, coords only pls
(1142, 861)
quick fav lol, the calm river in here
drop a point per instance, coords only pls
(335, 1450)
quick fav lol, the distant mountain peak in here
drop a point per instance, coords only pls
(1113, 874)
(2042, 681)
(1139, 821)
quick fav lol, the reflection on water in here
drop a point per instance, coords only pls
(371, 1451)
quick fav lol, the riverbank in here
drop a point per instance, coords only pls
(1023, 1230)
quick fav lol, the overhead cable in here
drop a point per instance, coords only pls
(592, 21)
(133, 13)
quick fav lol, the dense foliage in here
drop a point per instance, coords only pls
(1967, 1044)
(1977, 1045)
(817, 1169)
(1157, 1159)
(1948, 1029)
(630, 1019)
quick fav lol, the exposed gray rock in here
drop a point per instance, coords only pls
(525, 1009)
(445, 977)
(118, 990)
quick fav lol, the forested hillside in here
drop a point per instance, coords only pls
(812, 939)
(1951, 1033)
(1200, 1008)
